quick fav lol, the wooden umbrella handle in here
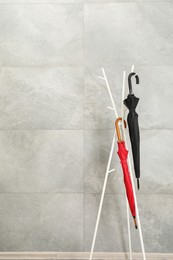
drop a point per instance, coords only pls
(118, 129)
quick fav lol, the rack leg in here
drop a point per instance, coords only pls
(102, 198)
(136, 203)
(129, 232)
(127, 206)
(134, 191)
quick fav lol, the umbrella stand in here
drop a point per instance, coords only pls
(105, 180)
(106, 177)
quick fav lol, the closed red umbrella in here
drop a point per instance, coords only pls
(123, 153)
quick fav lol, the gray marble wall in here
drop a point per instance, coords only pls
(56, 130)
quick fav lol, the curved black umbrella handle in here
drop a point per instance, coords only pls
(130, 81)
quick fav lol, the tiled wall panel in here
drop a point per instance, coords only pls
(56, 130)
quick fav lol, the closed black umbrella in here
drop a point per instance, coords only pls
(131, 102)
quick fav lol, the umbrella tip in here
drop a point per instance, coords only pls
(135, 222)
(138, 184)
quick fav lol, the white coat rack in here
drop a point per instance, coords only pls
(104, 77)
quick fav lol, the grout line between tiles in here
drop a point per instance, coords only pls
(83, 126)
(87, 129)
(80, 193)
(90, 3)
(131, 1)
(83, 140)
(36, 3)
(85, 65)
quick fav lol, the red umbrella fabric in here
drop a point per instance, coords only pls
(123, 153)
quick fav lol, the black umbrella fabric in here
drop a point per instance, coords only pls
(132, 119)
